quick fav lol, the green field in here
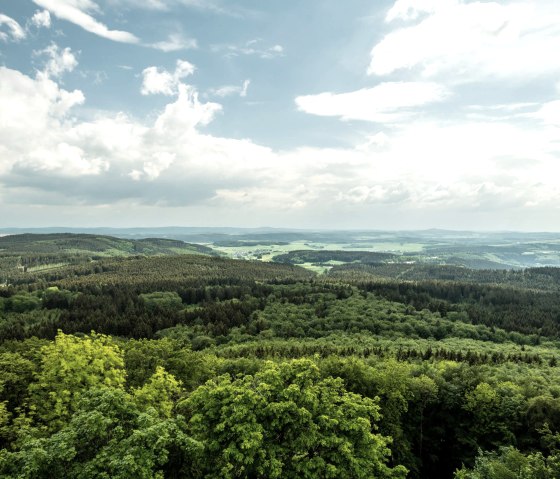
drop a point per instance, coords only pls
(473, 250)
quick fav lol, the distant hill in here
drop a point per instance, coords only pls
(40, 252)
(97, 245)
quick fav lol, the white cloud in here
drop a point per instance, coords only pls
(14, 32)
(424, 166)
(548, 113)
(155, 81)
(64, 159)
(470, 41)
(424, 158)
(228, 90)
(175, 42)
(33, 115)
(160, 81)
(161, 161)
(59, 61)
(78, 12)
(44, 144)
(28, 104)
(252, 47)
(245, 88)
(182, 116)
(483, 157)
(41, 19)
(412, 9)
(386, 102)
(471, 155)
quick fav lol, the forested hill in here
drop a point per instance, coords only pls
(326, 256)
(543, 278)
(99, 245)
(30, 253)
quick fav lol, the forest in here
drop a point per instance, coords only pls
(167, 365)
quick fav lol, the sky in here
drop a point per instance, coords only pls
(406, 114)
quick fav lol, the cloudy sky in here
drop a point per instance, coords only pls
(321, 114)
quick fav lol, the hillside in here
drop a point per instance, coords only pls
(443, 364)
(97, 245)
(40, 252)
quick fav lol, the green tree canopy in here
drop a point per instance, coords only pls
(509, 463)
(70, 366)
(108, 436)
(287, 422)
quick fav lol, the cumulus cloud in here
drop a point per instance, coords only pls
(41, 19)
(160, 81)
(386, 102)
(50, 155)
(33, 115)
(469, 41)
(160, 162)
(112, 158)
(59, 60)
(185, 114)
(444, 141)
(80, 12)
(437, 145)
(10, 30)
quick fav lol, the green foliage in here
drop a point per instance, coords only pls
(525, 301)
(58, 244)
(159, 393)
(54, 297)
(69, 367)
(285, 421)
(177, 272)
(21, 303)
(509, 463)
(143, 357)
(420, 373)
(108, 436)
(16, 373)
(162, 300)
(497, 413)
(4, 420)
(324, 256)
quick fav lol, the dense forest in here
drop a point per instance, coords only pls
(322, 256)
(41, 252)
(192, 366)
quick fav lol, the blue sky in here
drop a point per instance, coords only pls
(388, 115)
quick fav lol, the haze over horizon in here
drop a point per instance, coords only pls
(391, 115)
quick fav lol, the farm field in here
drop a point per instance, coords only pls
(479, 251)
